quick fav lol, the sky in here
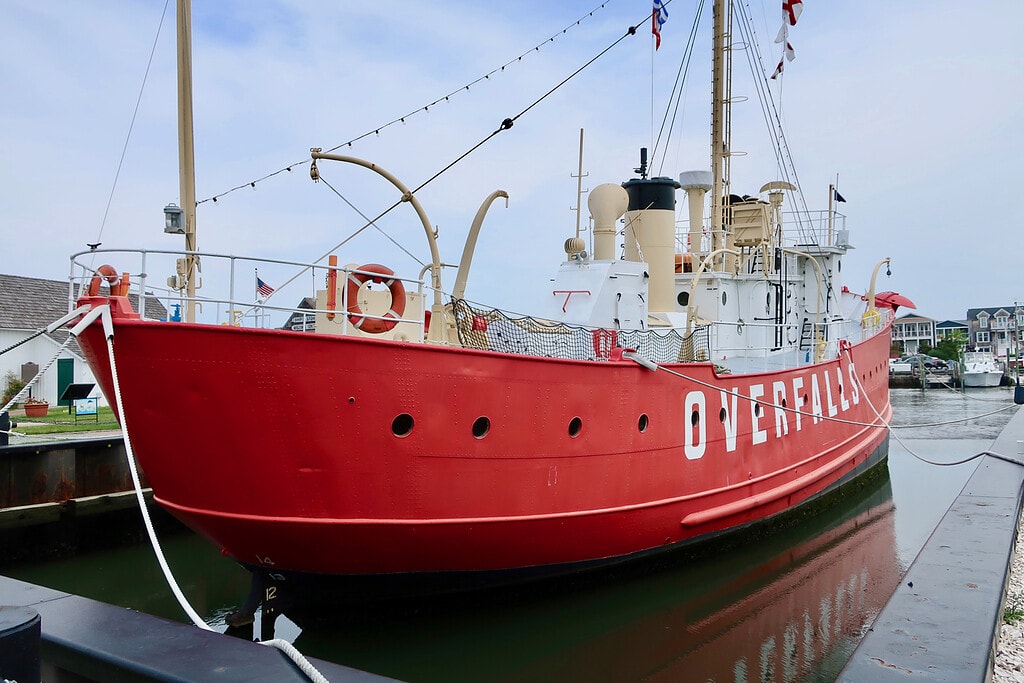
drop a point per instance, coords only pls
(913, 107)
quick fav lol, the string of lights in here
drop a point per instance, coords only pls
(420, 110)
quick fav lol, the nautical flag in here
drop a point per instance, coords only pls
(788, 55)
(658, 17)
(263, 288)
(792, 9)
(839, 197)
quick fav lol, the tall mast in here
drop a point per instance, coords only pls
(186, 151)
(720, 117)
(579, 187)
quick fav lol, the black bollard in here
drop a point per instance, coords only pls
(5, 426)
(20, 638)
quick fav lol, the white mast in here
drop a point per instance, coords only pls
(186, 151)
(721, 87)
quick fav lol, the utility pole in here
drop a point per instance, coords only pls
(1016, 341)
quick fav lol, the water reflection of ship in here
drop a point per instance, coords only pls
(812, 605)
(787, 608)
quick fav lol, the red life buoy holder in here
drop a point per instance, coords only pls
(381, 274)
(105, 272)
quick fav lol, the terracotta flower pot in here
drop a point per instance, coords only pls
(36, 409)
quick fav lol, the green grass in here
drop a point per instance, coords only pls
(1013, 611)
(58, 420)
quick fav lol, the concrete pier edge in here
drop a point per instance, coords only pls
(943, 621)
(84, 639)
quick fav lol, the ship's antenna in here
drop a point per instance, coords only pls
(580, 175)
(642, 171)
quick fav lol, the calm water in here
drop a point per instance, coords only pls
(789, 607)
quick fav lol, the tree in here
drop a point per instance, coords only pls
(12, 385)
(952, 346)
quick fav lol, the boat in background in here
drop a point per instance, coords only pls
(716, 376)
(981, 369)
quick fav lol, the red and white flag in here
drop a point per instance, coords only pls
(791, 10)
(788, 55)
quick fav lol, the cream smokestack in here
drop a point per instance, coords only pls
(607, 203)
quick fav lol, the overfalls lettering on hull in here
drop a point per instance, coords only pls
(829, 397)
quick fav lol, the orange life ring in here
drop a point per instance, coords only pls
(381, 274)
(118, 285)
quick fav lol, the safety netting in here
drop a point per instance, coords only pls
(494, 330)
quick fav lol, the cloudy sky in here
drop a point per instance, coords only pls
(915, 107)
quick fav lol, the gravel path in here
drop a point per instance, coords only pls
(1009, 666)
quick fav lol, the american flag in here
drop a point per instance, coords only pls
(263, 288)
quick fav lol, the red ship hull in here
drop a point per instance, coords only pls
(353, 456)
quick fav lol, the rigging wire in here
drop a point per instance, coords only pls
(131, 126)
(678, 87)
(770, 111)
(420, 110)
(369, 222)
(773, 122)
(506, 124)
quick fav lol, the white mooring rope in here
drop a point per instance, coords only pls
(103, 312)
(296, 656)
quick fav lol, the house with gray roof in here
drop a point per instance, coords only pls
(28, 305)
(996, 329)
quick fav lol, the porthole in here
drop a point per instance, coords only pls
(783, 402)
(402, 425)
(757, 410)
(481, 426)
(575, 427)
(724, 297)
(721, 415)
(683, 299)
(643, 422)
(694, 418)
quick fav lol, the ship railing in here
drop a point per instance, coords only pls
(239, 276)
(800, 230)
(769, 346)
(495, 330)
